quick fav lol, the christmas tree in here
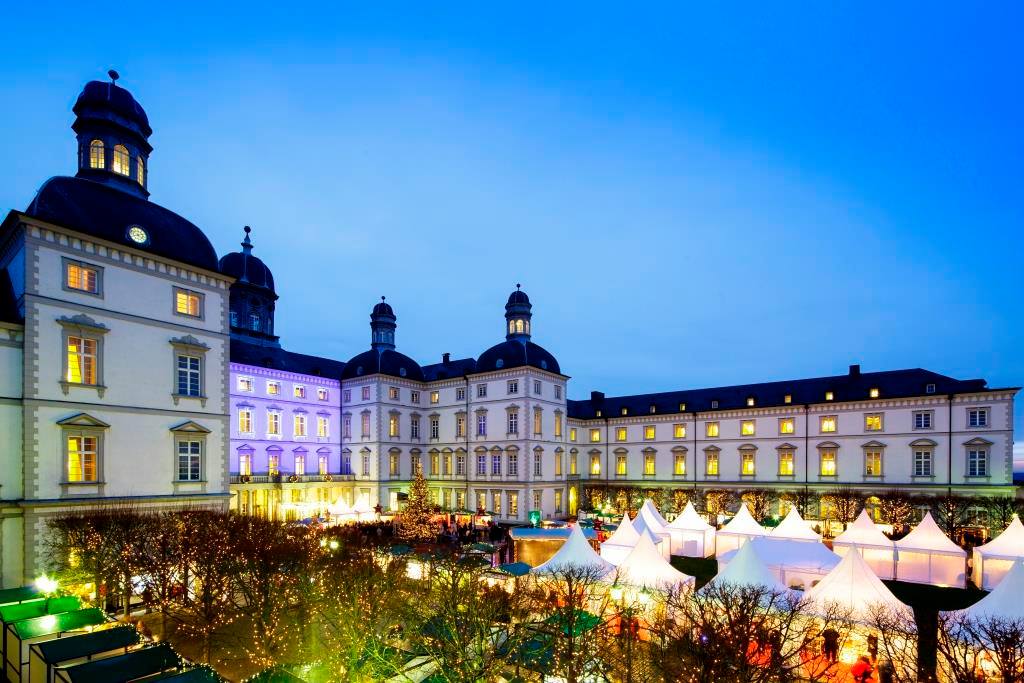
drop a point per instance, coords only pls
(414, 522)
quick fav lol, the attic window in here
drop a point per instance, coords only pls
(654, 409)
(401, 372)
(873, 393)
(929, 389)
(714, 404)
(500, 363)
(682, 407)
(544, 365)
(750, 401)
(597, 413)
(625, 411)
(829, 396)
(788, 398)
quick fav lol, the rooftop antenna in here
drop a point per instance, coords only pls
(113, 76)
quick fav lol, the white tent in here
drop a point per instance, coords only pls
(644, 567)
(691, 535)
(575, 553)
(996, 558)
(747, 569)
(739, 529)
(648, 520)
(795, 528)
(797, 564)
(876, 548)
(621, 542)
(1004, 602)
(926, 555)
(852, 586)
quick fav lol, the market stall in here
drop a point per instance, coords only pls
(926, 555)
(44, 658)
(137, 664)
(621, 542)
(796, 564)
(741, 528)
(19, 636)
(576, 554)
(747, 569)
(536, 546)
(992, 561)
(649, 520)
(794, 528)
(645, 568)
(876, 548)
(691, 535)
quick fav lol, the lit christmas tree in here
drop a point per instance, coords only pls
(414, 522)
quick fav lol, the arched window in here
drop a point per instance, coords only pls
(519, 326)
(97, 157)
(140, 171)
(121, 160)
(254, 322)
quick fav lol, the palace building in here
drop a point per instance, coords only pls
(137, 368)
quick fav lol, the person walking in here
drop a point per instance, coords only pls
(861, 670)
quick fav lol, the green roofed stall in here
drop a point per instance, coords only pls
(147, 662)
(515, 569)
(45, 657)
(13, 595)
(19, 636)
(37, 608)
(200, 674)
(293, 673)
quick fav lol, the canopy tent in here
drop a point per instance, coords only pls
(648, 520)
(1004, 602)
(747, 569)
(576, 554)
(691, 535)
(45, 657)
(621, 542)
(19, 636)
(852, 586)
(793, 527)
(926, 555)
(20, 594)
(143, 663)
(644, 567)
(876, 548)
(995, 559)
(740, 528)
(535, 546)
(797, 564)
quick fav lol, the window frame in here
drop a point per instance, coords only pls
(881, 422)
(835, 424)
(200, 298)
(929, 414)
(82, 327)
(67, 263)
(984, 413)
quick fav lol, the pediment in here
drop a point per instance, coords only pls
(191, 427)
(83, 420)
(978, 441)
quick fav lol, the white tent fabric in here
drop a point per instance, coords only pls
(926, 555)
(797, 564)
(746, 568)
(739, 529)
(646, 522)
(795, 528)
(853, 586)
(645, 567)
(996, 558)
(1004, 602)
(621, 542)
(691, 535)
(649, 511)
(876, 548)
(575, 553)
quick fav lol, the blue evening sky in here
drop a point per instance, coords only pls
(691, 196)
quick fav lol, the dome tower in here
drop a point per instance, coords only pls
(113, 137)
(383, 325)
(252, 297)
(517, 316)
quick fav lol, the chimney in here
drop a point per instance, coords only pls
(446, 358)
(854, 370)
(596, 397)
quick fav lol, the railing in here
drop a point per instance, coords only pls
(288, 478)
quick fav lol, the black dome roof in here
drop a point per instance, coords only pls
(383, 308)
(386, 362)
(515, 354)
(106, 212)
(247, 268)
(517, 297)
(101, 96)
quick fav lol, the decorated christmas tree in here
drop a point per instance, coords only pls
(414, 521)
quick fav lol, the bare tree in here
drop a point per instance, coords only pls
(896, 507)
(160, 563)
(952, 513)
(897, 643)
(1000, 510)
(209, 569)
(973, 649)
(844, 504)
(759, 501)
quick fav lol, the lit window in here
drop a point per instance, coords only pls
(393, 425)
(829, 395)
(321, 394)
(747, 427)
(273, 423)
(873, 393)
(190, 460)
(538, 423)
(393, 465)
(620, 465)
(682, 407)
(121, 160)
(649, 433)
(97, 156)
(188, 303)
(322, 465)
(873, 462)
(322, 426)
(393, 393)
(435, 396)
(620, 434)
(679, 431)
(624, 411)
(245, 421)
(873, 422)
(365, 393)
(711, 429)
(786, 425)
(977, 462)
(788, 398)
(828, 462)
(558, 425)
(299, 391)
(299, 424)
(189, 375)
(82, 456)
(81, 277)
(558, 464)
(828, 423)
(273, 388)
(245, 383)
(572, 434)
(273, 464)
(140, 171)
(649, 464)
(786, 462)
(460, 426)
(750, 401)
(679, 465)
(245, 464)
(747, 463)
(573, 463)
(81, 360)
(711, 463)
(595, 464)
(595, 435)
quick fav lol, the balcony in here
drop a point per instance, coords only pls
(285, 478)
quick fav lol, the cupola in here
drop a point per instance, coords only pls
(382, 325)
(517, 316)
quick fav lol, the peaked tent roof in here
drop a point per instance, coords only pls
(575, 552)
(794, 527)
(863, 532)
(649, 512)
(689, 520)
(791, 554)
(1010, 543)
(854, 586)
(625, 533)
(645, 567)
(746, 568)
(928, 536)
(1004, 601)
(743, 523)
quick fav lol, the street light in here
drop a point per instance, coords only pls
(46, 585)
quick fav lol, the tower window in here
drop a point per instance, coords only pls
(121, 160)
(140, 171)
(97, 156)
(254, 322)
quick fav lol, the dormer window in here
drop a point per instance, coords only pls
(750, 401)
(625, 411)
(873, 393)
(714, 405)
(654, 409)
(682, 407)
(929, 389)
(122, 160)
(97, 154)
(829, 395)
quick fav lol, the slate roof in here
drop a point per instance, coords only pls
(249, 353)
(517, 354)
(453, 368)
(247, 268)
(386, 362)
(850, 387)
(106, 212)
